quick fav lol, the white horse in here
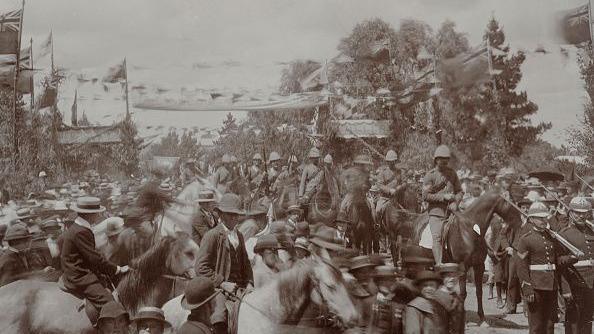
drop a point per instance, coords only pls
(269, 309)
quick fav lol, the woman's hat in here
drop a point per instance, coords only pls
(231, 203)
(327, 238)
(112, 310)
(266, 241)
(427, 275)
(198, 292)
(87, 204)
(16, 232)
(153, 313)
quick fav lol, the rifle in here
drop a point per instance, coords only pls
(587, 222)
(264, 182)
(584, 182)
(568, 245)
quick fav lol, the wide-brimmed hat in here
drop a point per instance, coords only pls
(87, 204)
(112, 310)
(206, 196)
(152, 313)
(363, 261)
(257, 208)
(326, 237)
(197, 293)
(384, 272)
(266, 241)
(50, 224)
(133, 215)
(427, 275)
(417, 255)
(114, 226)
(231, 203)
(24, 213)
(449, 268)
(16, 232)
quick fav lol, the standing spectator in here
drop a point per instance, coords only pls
(198, 299)
(150, 320)
(113, 319)
(423, 314)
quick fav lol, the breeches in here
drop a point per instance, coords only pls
(436, 227)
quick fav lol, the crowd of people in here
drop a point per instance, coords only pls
(256, 221)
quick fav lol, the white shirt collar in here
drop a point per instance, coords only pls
(82, 222)
(231, 235)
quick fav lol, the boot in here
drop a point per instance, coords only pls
(491, 291)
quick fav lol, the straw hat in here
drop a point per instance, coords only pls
(87, 204)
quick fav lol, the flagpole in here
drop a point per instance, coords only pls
(14, 103)
(52, 45)
(590, 21)
(31, 82)
(126, 73)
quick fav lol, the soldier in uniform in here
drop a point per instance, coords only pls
(443, 193)
(274, 167)
(256, 172)
(224, 174)
(581, 290)
(538, 270)
(310, 171)
(389, 182)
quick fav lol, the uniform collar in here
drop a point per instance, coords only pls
(82, 222)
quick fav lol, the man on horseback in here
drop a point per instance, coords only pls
(205, 219)
(83, 265)
(224, 174)
(442, 192)
(223, 257)
(389, 182)
(308, 176)
(256, 172)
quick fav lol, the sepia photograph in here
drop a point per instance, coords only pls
(295, 167)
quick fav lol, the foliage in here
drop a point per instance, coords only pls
(292, 75)
(127, 152)
(582, 136)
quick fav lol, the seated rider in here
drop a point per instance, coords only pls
(84, 267)
(442, 191)
(389, 181)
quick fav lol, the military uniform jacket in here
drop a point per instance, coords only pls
(584, 240)
(537, 249)
(388, 180)
(221, 177)
(435, 185)
(356, 181)
(81, 262)
(309, 173)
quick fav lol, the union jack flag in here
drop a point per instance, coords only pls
(11, 21)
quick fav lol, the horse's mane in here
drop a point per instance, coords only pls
(481, 204)
(147, 269)
(293, 284)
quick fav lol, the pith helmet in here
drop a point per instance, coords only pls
(442, 151)
(273, 156)
(257, 156)
(328, 159)
(391, 156)
(363, 159)
(580, 204)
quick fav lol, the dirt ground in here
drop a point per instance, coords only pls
(511, 324)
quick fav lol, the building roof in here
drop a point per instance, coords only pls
(89, 135)
(363, 128)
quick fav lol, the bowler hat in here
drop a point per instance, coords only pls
(231, 203)
(198, 292)
(112, 310)
(87, 204)
(151, 313)
(266, 241)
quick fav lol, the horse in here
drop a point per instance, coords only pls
(278, 305)
(465, 240)
(30, 306)
(324, 203)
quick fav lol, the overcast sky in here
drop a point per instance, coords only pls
(240, 42)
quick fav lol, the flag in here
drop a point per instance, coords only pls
(24, 83)
(573, 25)
(115, 73)
(48, 98)
(9, 42)
(25, 58)
(73, 109)
(11, 21)
(46, 47)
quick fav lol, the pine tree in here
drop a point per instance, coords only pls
(229, 125)
(503, 107)
(128, 151)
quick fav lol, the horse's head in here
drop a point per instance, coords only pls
(182, 255)
(508, 213)
(329, 289)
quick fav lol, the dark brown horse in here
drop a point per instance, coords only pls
(465, 241)
(405, 207)
(41, 307)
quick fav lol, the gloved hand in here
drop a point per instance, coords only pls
(123, 270)
(510, 251)
(567, 260)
